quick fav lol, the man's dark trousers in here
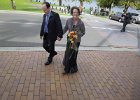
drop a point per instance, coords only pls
(48, 45)
(124, 26)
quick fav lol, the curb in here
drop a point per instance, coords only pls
(58, 48)
(27, 12)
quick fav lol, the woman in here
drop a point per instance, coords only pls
(76, 29)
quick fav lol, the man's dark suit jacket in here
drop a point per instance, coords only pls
(127, 18)
(54, 26)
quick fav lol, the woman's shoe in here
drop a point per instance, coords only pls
(74, 71)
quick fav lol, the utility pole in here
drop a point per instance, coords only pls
(138, 34)
(112, 5)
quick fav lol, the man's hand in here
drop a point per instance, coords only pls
(41, 37)
(58, 38)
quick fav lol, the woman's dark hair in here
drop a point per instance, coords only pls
(73, 9)
(47, 4)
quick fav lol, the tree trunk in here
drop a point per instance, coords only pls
(12, 4)
(60, 2)
(81, 3)
(126, 7)
(110, 10)
(81, 6)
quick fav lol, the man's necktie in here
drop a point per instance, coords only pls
(46, 24)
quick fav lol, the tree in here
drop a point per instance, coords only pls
(125, 3)
(60, 2)
(128, 3)
(13, 4)
(81, 3)
(107, 3)
(138, 5)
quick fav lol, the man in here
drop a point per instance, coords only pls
(127, 19)
(51, 30)
(91, 10)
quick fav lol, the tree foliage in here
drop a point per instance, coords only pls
(82, 1)
(125, 3)
(107, 3)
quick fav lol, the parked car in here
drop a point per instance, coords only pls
(104, 13)
(135, 18)
(117, 16)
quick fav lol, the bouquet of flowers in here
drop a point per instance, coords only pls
(72, 36)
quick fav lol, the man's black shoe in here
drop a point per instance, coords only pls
(52, 54)
(49, 61)
(122, 31)
(55, 53)
(50, 58)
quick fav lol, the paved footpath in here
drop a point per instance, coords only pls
(102, 75)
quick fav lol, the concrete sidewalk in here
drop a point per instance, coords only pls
(102, 75)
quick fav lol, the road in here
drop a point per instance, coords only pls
(22, 30)
(105, 32)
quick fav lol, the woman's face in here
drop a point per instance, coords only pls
(75, 13)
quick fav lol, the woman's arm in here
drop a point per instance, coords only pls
(82, 29)
(65, 28)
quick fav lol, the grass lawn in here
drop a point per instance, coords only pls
(24, 5)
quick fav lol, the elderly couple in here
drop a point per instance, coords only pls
(51, 30)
